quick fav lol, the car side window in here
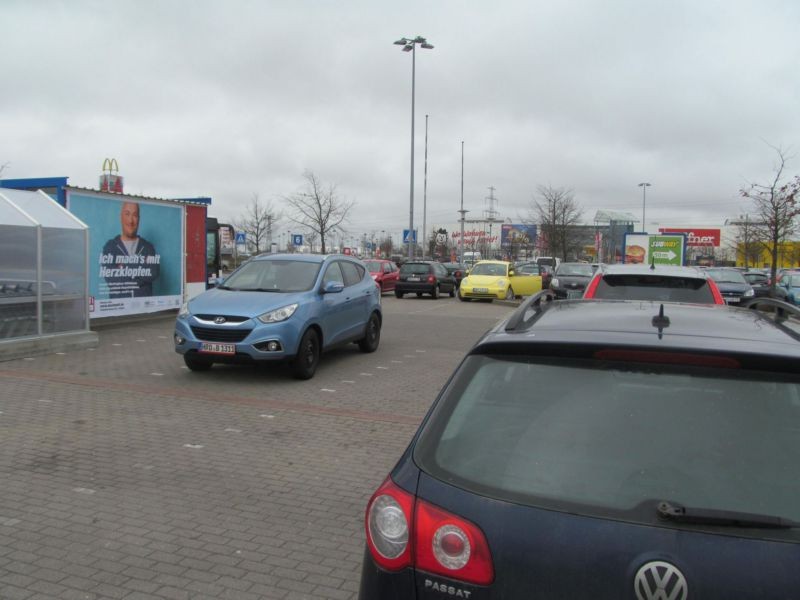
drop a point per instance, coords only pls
(387, 268)
(333, 273)
(353, 273)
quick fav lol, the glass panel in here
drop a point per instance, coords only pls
(43, 209)
(17, 281)
(10, 215)
(63, 280)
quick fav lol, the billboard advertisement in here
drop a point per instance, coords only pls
(135, 250)
(655, 249)
(696, 238)
(517, 234)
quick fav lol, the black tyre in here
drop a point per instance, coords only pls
(419, 294)
(372, 335)
(398, 294)
(435, 292)
(453, 292)
(460, 297)
(197, 364)
(305, 363)
(509, 293)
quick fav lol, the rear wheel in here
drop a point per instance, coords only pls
(419, 294)
(398, 293)
(372, 335)
(197, 364)
(453, 292)
(435, 292)
(305, 363)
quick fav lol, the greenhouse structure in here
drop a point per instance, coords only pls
(44, 297)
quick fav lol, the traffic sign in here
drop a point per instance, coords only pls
(240, 237)
(297, 239)
(409, 238)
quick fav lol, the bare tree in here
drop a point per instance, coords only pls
(3, 167)
(318, 208)
(776, 207)
(748, 240)
(258, 221)
(557, 214)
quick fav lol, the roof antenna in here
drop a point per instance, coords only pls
(661, 321)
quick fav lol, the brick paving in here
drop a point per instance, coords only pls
(124, 475)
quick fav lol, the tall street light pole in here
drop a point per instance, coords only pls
(425, 195)
(410, 45)
(644, 187)
(462, 212)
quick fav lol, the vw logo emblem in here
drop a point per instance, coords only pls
(659, 580)
(219, 320)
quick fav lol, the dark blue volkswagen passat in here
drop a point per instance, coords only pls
(604, 450)
(282, 307)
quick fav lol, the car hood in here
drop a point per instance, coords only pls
(246, 304)
(483, 280)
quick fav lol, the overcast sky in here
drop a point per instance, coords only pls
(230, 99)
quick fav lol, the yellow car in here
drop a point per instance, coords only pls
(490, 279)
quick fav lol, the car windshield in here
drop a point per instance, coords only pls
(415, 269)
(561, 433)
(374, 266)
(659, 288)
(579, 270)
(494, 269)
(274, 276)
(755, 278)
(725, 276)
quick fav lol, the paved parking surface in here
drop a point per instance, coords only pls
(124, 475)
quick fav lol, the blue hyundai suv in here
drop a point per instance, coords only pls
(607, 450)
(289, 307)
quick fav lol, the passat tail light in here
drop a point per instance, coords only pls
(388, 524)
(715, 292)
(403, 531)
(447, 545)
(590, 289)
(431, 279)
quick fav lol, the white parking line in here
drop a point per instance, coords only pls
(347, 381)
(327, 390)
(83, 491)
(193, 446)
(157, 374)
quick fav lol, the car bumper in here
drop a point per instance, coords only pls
(190, 336)
(406, 287)
(469, 291)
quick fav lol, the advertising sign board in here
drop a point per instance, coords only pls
(135, 254)
(517, 234)
(696, 238)
(655, 249)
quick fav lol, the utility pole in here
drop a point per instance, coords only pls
(269, 231)
(462, 212)
(490, 215)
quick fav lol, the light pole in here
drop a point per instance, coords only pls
(644, 187)
(410, 45)
(425, 195)
(462, 212)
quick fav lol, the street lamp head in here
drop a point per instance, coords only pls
(643, 184)
(401, 42)
(427, 46)
(408, 48)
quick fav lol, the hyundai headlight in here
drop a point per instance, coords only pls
(749, 293)
(279, 314)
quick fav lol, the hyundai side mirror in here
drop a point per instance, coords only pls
(332, 287)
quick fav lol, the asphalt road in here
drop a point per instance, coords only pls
(124, 475)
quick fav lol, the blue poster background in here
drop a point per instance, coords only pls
(159, 224)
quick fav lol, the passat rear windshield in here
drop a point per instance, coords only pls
(606, 438)
(654, 287)
(415, 268)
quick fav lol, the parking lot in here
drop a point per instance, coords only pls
(124, 475)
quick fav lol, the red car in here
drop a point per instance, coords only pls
(384, 272)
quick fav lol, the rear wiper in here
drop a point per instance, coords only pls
(729, 518)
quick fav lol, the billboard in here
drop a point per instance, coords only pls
(696, 238)
(517, 234)
(655, 249)
(135, 251)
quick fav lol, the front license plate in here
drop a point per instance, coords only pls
(214, 348)
(732, 300)
(480, 290)
(574, 293)
(413, 279)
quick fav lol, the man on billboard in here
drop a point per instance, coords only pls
(130, 262)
